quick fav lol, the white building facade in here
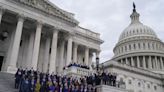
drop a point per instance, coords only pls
(37, 34)
(138, 58)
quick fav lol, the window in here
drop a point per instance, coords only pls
(148, 86)
(125, 48)
(129, 47)
(155, 87)
(139, 46)
(130, 82)
(144, 45)
(139, 84)
(134, 46)
(153, 45)
(122, 49)
(148, 45)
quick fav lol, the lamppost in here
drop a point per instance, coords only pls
(3, 35)
(103, 67)
(97, 64)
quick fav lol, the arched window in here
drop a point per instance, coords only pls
(155, 87)
(134, 46)
(153, 45)
(148, 86)
(139, 84)
(130, 82)
(125, 48)
(139, 45)
(144, 45)
(122, 49)
(148, 46)
(129, 47)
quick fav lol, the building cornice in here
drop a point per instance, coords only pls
(140, 53)
(47, 7)
(112, 64)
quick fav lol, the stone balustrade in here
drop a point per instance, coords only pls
(77, 71)
(88, 32)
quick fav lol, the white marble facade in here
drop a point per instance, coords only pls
(43, 37)
(138, 58)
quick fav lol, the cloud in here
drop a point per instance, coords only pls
(110, 17)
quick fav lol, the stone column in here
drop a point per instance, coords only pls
(62, 64)
(126, 60)
(16, 44)
(144, 62)
(1, 14)
(122, 61)
(90, 60)
(156, 62)
(132, 60)
(52, 64)
(162, 66)
(75, 47)
(86, 55)
(36, 46)
(46, 55)
(150, 63)
(138, 62)
(69, 51)
(30, 50)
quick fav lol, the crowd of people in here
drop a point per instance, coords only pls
(35, 81)
(78, 65)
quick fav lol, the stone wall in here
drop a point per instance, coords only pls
(105, 88)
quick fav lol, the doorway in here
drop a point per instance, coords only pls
(1, 62)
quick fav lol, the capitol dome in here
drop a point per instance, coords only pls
(136, 28)
(139, 46)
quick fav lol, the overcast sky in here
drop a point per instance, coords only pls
(110, 17)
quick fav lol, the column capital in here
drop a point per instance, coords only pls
(2, 9)
(70, 36)
(76, 45)
(55, 30)
(87, 47)
(21, 17)
(39, 23)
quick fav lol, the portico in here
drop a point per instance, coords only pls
(47, 44)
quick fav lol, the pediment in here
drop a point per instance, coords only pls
(48, 7)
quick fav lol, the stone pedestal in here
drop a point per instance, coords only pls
(106, 88)
(11, 69)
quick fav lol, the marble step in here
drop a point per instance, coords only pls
(7, 82)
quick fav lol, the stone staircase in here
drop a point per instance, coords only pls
(7, 82)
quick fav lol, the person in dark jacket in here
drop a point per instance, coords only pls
(103, 76)
(114, 80)
(32, 85)
(25, 85)
(18, 76)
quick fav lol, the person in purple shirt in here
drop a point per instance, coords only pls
(51, 87)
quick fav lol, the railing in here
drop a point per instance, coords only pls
(88, 32)
(77, 71)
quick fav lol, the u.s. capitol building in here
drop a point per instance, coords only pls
(37, 34)
(138, 58)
